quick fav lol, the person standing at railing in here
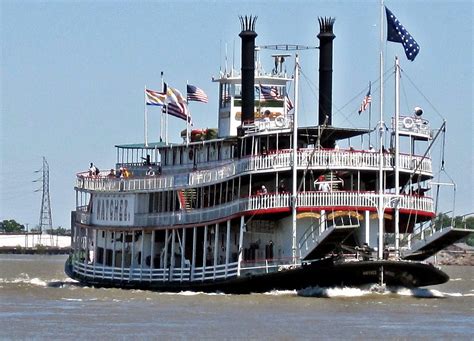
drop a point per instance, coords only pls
(282, 186)
(93, 170)
(323, 185)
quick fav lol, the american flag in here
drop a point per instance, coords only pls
(398, 34)
(179, 111)
(196, 94)
(268, 92)
(366, 101)
(154, 97)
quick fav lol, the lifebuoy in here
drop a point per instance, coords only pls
(279, 121)
(408, 122)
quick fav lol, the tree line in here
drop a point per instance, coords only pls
(12, 226)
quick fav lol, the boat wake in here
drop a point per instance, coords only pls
(24, 280)
(373, 290)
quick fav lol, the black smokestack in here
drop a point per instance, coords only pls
(248, 36)
(326, 36)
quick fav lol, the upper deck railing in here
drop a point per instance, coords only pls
(306, 158)
(339, 200)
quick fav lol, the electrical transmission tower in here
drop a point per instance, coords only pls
(45, 221)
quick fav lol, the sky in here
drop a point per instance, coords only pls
(73, 74)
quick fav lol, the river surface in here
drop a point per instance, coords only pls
(38, 301)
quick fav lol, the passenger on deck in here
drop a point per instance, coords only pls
(263, 190)
(111, 174)
(323, 186)
(282, 187)
(371, 149)
(93, 170)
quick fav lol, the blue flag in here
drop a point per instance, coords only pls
(398, 34)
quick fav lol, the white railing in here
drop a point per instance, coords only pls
(307, 158)
(318, 200)
(155, 275)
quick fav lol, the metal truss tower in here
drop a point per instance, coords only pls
(45, 221)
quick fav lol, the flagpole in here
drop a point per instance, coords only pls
(146, 119)
(294, 192)
(161, 115)
(380, 207)
(397, 155)
(370, 115)
(188, 112)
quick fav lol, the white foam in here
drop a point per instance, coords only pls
(419, 292)
(281, 293)
(334, 292)
(24, 279)
(38, 282)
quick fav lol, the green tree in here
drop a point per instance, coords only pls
(11, 226)
(469, 224)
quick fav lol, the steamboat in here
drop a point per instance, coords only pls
(261, 203)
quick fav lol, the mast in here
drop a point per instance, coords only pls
(295, 150)
(397, 154)
(380, 208)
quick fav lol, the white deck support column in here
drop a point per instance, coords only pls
(96, 232)
(165, 255)
(216, 246)
(87, 246)
(367, 227)
(122, 265)
(173, 240)
(104, 254)
(114, 241)
(193, 261)
(241, 241)
(323, 223)
(183, 249)
(142, 257)
(132, 256)
(204, 253)
(152, 254)
(227, 247)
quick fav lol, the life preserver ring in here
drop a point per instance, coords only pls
(279, 121)
(408, 122)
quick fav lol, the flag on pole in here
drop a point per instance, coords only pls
(178, 110)
(366, 101)
(268, 92)
(155, 97)
(177, 105)
(398, 34)
(288, 103)
(196, 94)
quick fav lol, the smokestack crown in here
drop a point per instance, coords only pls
(325, 26)
(247, 24)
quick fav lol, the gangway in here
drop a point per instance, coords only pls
(438, 240)
(340, 225)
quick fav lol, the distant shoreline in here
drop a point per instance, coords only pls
(42, 250)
